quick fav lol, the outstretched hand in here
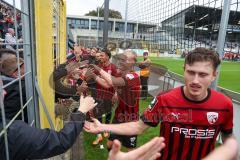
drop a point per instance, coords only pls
(77, 50)
(81, 88)
(93, 127)
(72, 66)
(95, 67)
(89, 73)
(228, 151)
(86, 104)
(149, 151)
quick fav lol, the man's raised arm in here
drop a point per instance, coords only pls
(111, 80)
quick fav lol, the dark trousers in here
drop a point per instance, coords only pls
(144, 84)
(107, 105)
(108, 118)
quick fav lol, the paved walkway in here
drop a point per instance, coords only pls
(156, 85)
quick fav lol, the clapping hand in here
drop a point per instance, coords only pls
(149, 151)
(72, 66)
(89, 73)
(86, 104)
(95, 67)
(227, 151)
(81, 88)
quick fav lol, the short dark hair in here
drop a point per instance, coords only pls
(145, 53)
(201, 54)
(107, 52)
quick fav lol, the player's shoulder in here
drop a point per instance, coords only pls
(220, 96)
(131, 76)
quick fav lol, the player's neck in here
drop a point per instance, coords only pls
(194, 98)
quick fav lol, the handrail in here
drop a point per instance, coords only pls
(43, 104)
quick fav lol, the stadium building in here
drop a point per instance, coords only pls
(199, 26)
(85, 30)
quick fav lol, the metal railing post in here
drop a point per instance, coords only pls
(4, 121)
(105, 28)
(44, 105)
(126, 17)
(222, 36)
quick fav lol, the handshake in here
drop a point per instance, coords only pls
(82, 71)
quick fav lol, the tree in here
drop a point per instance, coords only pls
(112, 13)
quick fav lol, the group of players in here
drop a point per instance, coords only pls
(191, 116)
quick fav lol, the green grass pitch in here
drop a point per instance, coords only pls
(229, 71)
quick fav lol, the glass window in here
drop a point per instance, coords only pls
(73, 21)
(93, 24)
(101, 25)
(110, 24)
(130, 28)
(119, 27)
(77, 21)
(84, 24)
(68, 21)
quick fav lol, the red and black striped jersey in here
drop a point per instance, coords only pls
(106, 93)
(190, 128)
(128, 96)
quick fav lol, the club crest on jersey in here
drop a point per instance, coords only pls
(152, 104)
(212, 117)
(130, 76)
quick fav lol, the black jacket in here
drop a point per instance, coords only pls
(62, 91)
(27, 142)
(12, 102)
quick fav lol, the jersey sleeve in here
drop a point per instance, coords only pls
(228, 126)
(151, 116)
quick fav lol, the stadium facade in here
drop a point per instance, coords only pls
(199, 26)
(192, 27)
(86, 31)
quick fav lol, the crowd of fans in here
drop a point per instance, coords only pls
(7, 26)
(229, 56)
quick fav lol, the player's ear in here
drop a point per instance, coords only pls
(215, 73)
